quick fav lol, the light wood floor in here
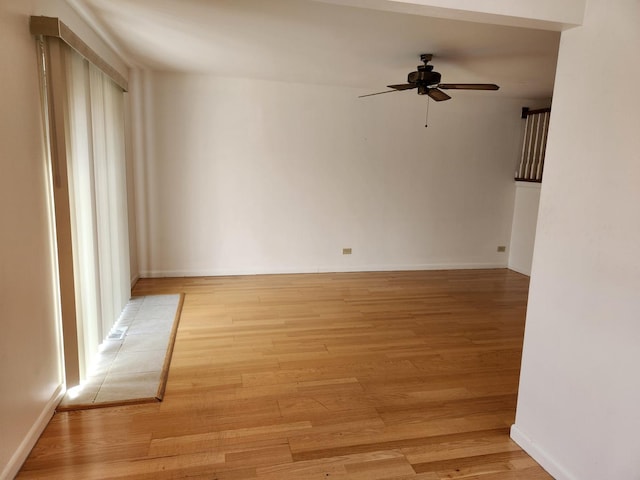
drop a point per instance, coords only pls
(395, 375)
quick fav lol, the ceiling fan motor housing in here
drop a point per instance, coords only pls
(424, 77)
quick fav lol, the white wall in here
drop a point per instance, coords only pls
(578, 403)
(30, 372)
(248, 176)
(523, 229)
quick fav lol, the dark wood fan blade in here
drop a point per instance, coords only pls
(377, 93)
(437, 95)
(403, 86)
(468, 86)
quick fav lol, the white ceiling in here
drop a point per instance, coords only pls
(314, 42)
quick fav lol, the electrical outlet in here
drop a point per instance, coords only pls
(346, 251)
(502, 248)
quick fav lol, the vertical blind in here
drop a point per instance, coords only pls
(97, 201)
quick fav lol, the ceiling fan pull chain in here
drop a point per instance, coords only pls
(426, 121)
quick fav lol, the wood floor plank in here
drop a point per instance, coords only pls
(376, 376)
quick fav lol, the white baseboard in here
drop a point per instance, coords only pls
(20, 455)
(519, 270)
(540, 455)
(327, 269)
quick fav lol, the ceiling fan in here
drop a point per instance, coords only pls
(428, 83)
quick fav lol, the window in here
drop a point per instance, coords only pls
(85, 110)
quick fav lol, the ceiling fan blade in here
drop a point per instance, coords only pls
(468, 86)
(377, 93)
(437, 95)
(403, 86)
